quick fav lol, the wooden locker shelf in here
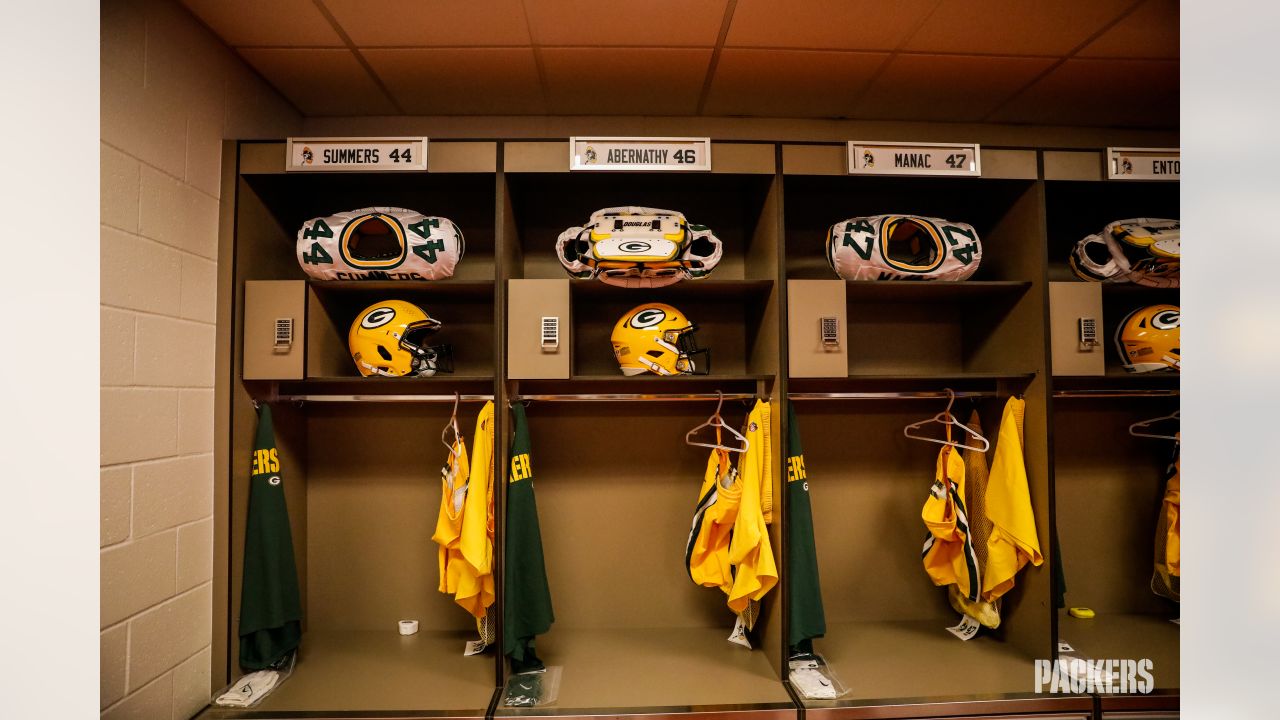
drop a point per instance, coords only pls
(393, 288)
(711, 287)
(382, 672)
(757, 384)
(884, 662)
(906, 291)
(1127, 636)
(616, 671)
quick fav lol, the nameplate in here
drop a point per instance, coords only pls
(620, 153)
(1125, 163)
(357, 155)
(893, 158)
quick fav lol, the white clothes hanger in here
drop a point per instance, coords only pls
(452, 426)
(717, 422)
(1137, 429)
(946, 418)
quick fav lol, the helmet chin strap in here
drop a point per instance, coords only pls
(654, 366)
(376, 370)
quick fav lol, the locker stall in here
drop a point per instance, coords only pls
(361, 456)
(616, 484)
(1109, 483)
(904, 345)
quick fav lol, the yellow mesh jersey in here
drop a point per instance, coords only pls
(1168, 558)
(948, 554)
(975, 502)
(707, 551)
(464, 528)
(1013, 542)
(448, 534)
(749, 549)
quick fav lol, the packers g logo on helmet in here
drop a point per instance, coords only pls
(377, 317)
(659, 339)
(647, 318)
(1149, 339)
(389, 339)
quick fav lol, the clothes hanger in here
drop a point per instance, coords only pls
(1136, 428)
(452, 425)
(946, 418)
(717, 422)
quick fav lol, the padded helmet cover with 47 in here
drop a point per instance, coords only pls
(659, 339)
(390, 339)
(903, 247)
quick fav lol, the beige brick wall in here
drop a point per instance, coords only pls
(170, 93)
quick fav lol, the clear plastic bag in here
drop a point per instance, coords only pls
(252, 688)
(532, 689)
(812, 677)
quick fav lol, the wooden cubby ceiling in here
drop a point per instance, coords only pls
(1061, 62)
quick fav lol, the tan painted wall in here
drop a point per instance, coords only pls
(171, 92)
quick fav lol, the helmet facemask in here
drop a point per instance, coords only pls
(690, 358)
(426, 360)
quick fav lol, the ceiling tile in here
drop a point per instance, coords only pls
(461, 81)
(1122, 93)
(279, 23)
(431, 23)
(320, 81)
(1013, 27)
(948, 88)
(1150, 32)
(624, 81)
(659, 23)
(825, 24)
(789, 83)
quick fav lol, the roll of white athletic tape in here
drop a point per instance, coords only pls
(408, 627)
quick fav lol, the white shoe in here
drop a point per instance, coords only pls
(249, 689)
(809, 680)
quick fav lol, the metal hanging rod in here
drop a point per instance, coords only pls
(383, 398)
(1116, 393)
(630, 397)
(904, 395)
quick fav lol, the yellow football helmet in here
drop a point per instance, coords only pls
(389, 338)
(1149, 339)
(658, 338)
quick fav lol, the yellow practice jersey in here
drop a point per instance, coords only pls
(1168, 560)
(948, 555)
(728, 544)
(464, 527)
(1013, 542)
(750, 552)
(976, 475)
(707, 551)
